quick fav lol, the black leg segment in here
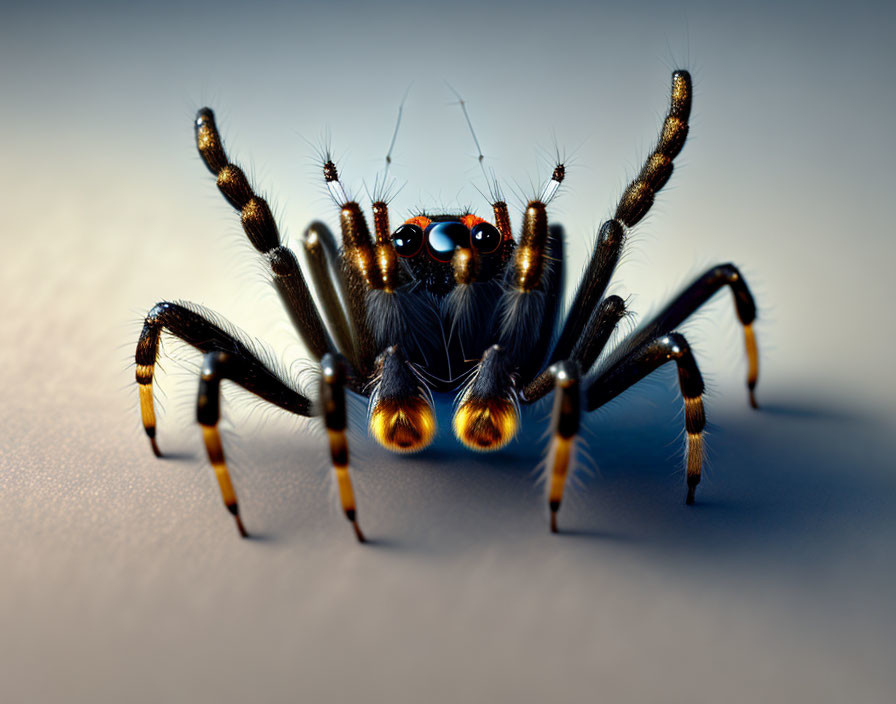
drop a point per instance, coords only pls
(332, 399)
(632, 207)
(261, 229)
(604, 258)
(639, 195)
(215, 367)
(644, 360)
(586, 351)
(690, 300)
(564, 429)
(191, 327)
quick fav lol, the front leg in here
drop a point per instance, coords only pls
(533, 290)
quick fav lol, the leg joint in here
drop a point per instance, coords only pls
(677, 346)
(158, 313)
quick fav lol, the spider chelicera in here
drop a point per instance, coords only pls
(448, 303)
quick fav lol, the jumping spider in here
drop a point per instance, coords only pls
(448, 303)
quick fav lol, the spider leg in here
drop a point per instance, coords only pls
(325, 269)
(332, 394)
(602, 324)
(206, 336)
(362, 275)
(261, 229)
(643, 360)
(251, 375)
(564, 428)
(633, 206)
(689, 300)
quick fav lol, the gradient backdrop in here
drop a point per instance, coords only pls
(123, 579)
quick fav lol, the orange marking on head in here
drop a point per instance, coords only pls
(420, 221)
(471, 220)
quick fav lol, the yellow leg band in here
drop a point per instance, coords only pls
(216, 457)
(752, 361)
(346, 492)
(561, 454)
(147, 411)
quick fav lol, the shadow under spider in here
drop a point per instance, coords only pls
(797, 477)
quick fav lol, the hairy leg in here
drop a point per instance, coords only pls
(200, 332)
(644, 360)
(261, 229)
(332, 396)
(586, 351)
(689, 301)
(631, 209)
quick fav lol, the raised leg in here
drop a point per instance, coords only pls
(261, 229)
(632, 207)
(200, 332)
(688, 301)
(332, 396)
(645, 359)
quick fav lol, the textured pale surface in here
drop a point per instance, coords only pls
(123, 578)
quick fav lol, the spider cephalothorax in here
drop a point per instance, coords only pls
(448, 303)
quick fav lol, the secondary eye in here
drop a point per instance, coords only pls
(485, 238)
(407, 240)
(442, 238)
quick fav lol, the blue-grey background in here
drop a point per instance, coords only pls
(123, 579)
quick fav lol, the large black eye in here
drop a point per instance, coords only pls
(407, 239)
(485, 237)
(442, 238)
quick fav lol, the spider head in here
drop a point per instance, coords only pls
(442, 250)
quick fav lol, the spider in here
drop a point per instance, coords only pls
(447, 303)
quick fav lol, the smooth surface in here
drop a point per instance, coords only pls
(123, 578)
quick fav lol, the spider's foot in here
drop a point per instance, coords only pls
(352, 516)
(235, 512)
(753, 402)
(555, 507)
(239, 526)
(155, 446)
(691, 491)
